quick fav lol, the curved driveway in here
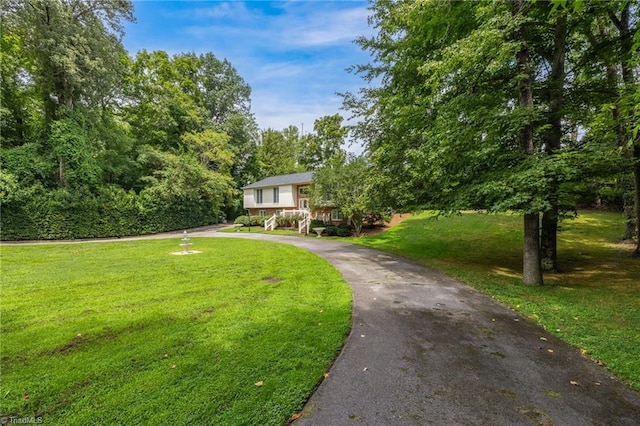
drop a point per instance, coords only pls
(426, 349)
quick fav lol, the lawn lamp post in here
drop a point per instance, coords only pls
(249, 216)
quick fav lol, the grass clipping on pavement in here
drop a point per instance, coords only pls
(125, 333)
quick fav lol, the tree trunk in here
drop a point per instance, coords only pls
(636, 175)
(553, 140)
(531, 265)
(549, 239)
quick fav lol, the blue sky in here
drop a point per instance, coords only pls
(293, 54)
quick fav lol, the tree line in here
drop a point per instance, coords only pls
(526, 106)
(95, 142)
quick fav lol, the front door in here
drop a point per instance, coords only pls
(303, 204)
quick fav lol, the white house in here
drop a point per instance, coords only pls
(282, 195)
(277, 193)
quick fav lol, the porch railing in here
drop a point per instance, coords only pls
(270, 224)
(303, 224)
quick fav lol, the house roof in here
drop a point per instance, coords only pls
(296, 178)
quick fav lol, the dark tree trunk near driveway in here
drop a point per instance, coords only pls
(531, 262)
(552, 140)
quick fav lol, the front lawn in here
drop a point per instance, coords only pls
(594, 304)
(126, 333)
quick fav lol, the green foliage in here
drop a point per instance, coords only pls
(289, 221)
(74, 154)
(277, 154)
(255, 220)
(443, 128)
(342, 230)
(348, 188)
(38, 214)
(325, 145)
(286, 151)
(74, 48)
(98, 144)
(372, 219)
(212, 149)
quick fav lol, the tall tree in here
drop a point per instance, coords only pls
(325, 143)
(610, 80)
(532, 266)
(162, 106)
(277, 154)
(75, 47)
(189, 93)
(345, 186)
(453, 124)
(555, 55)
(71, 56)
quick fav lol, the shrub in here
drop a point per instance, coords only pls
(255, 220)
(289, 221)
(331, 230)
(241, 220)
(284, 222)
(344, 230)
(317, 223)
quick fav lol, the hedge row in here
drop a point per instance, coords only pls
(111, 212)
(255, 220)
(341, 230)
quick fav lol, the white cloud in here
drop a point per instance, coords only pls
(282, 70)
(327, 28)
(279, 110)
(308, 24)
(235, 10)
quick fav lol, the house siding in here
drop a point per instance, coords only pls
(287, 199)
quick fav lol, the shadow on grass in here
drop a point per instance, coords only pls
(589, 253)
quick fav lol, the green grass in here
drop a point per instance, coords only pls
(125, 333)
(260, 230)
(594, 304)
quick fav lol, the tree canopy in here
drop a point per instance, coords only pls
(84, 123)
(133, 143)
(481, 105)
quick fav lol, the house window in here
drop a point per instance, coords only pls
(303, 203)
(258, 196)
(303, 190)
(276, 195)
(262, 212)
(336, 215)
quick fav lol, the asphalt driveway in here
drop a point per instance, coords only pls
(427, 349)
